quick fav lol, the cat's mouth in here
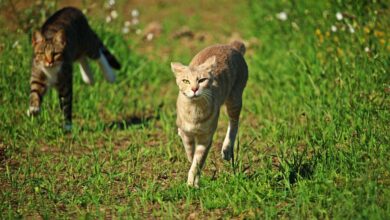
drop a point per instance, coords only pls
(193, 96)
(52, 65)
(50, 70)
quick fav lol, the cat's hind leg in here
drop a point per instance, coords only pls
(97, 51)
(233, 107)
(108, 73)
(85, 71)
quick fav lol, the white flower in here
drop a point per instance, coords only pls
(111, 2)
(127, 23)
(149, 36)
(367, 49)
(333, 28)
(114, 14)
(135, 21)
(281, 16)
(125, 30)
(108, 19)
(16, 44)
(339, 16)
(134, 13)
(138, 31)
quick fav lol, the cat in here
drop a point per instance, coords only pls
(64, 38)
(217, 75)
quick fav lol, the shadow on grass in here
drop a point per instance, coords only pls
(129, 121)
(3, 155)
(292, 169)
(134, 120)
(295, 169)
(304, 171)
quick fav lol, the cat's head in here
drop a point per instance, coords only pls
(195, 82)
(48, 52)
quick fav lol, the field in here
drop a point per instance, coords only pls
(314, 131)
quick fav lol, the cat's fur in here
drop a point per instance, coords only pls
(63, 39)
(217, 75)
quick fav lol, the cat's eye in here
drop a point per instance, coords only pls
(56, 55)
(186, 81)
(202, 80)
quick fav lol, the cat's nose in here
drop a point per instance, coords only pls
(194, 89)
(49, 62)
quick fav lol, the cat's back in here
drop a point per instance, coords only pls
(231, 69)
(65, 19)
(229, 59)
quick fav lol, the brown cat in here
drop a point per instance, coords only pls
(217, 75)
(64, 38)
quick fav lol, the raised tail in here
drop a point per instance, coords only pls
(110, 58)
(239, 46)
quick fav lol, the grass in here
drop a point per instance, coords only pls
(314, 135)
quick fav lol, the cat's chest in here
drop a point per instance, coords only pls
(196, 120)
(52, 74)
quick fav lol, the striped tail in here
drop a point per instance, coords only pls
(239, 46)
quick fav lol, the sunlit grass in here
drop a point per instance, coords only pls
(313, 140)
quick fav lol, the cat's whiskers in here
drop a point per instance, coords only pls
(207, 96)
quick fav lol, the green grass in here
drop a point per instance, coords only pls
(314, 135)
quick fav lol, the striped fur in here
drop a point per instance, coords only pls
(63, 39)
(217, 75)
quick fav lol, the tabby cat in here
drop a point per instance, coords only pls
(217, 75)
(64, 38)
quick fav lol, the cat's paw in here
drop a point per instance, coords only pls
(67, 127)
(227, 153)
(193, 180)
(33, 111)
(193, 184)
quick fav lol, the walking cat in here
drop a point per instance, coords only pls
(63, 39)
(217, 75)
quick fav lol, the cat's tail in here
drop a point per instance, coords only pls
(239, 46)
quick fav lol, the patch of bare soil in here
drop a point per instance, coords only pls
(214, 25)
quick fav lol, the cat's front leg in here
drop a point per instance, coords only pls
(64, 88)
(189, 144)
(202, 147)
(38, 87)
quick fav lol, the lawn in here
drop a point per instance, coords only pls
(314, 131)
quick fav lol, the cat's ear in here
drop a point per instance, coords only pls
(178, 68)
(60, 37)
(209, 65)
(37, 37)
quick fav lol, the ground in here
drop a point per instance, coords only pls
(313, 139)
